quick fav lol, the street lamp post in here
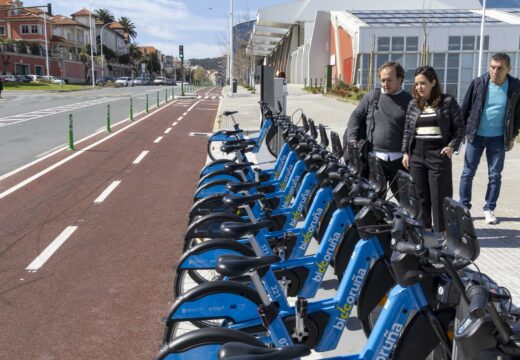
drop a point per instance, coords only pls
(480, 50)
(231, 48)
(46, 43)
(91, 44)
(102, 57)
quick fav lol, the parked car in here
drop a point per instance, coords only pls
(9, 78)
(103, 80)
(52, 80)
(34, 77)
(22, 78)
(159, 80)
(142, 80)
(169, 82)
(124, 81)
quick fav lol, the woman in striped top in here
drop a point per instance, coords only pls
(433, 129)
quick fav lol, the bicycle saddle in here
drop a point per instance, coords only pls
(231, 132)
(236, 265)
(236, 201)
(227, 113)
(242, 351)
(235, 186)
(236, 166)
(237, 230)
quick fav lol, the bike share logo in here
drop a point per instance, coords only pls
(297, 214)
(292, 190)
(344, 312)
(283, 183)
(390, 338)
(329, 253)
(277, 172)
(314, 223)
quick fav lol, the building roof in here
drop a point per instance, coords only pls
(147, 49)
(115, 25)
(82, 12)
(417, 17)
(6, 2)
(64, 20)
(59, 39)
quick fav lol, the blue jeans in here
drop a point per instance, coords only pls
(495, 155)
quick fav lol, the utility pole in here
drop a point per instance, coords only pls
(481, 49)
(231, 48)
(181, 56)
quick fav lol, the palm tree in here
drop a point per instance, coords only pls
(128, 26)
(104, 15)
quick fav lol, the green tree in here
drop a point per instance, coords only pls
(153, 65)
(134, 56)
(84, 57)
(128, 26)
(104, 15)
(199, 75)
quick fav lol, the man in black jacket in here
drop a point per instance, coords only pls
(491, 111)
(380, 118)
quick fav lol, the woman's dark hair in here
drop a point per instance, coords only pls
(436, 95)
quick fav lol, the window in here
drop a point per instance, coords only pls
(383, 44)
(468, 43)
(397, 57)
(410, 61)
(398, 43)
(452, 76)
(467, 60)
(453, 60)
(38, 70)
(454, 43)
(2, 30)
(438, 60)
(412, 43)
(34, 29)
(486, 42)
(24, 29)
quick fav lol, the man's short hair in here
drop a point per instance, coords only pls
(500, 56)
(399, 71)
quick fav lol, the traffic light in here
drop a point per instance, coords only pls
(49, 9)
(181, 51)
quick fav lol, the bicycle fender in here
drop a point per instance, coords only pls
(189, 259)
(219, 175)
(214, 300)
(418, 337)
(214, 165)
(196, 228)
(377, 283)
(345, 250)
(203, 343)
(220, 136)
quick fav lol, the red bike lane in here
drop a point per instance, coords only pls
(102, 294)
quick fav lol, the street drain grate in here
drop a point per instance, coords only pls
(199, 134)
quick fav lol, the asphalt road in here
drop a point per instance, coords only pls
(33, 124)
(88, 239)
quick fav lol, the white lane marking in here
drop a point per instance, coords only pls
(51, 249)
(15, 119)
(167, 130)
(175, 123)
(180, 118)
(69, 158)
(158, 139)
(206, 97)
(199, 97)
(186, 113)
(192, 106)
(107, 192)
(60, 147)
(140, 157)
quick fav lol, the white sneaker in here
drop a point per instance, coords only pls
(490, 217)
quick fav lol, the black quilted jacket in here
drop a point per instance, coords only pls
(475, 99)
(448, 116)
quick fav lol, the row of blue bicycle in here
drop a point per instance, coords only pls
(263, 238)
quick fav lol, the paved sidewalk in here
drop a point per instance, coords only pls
(500, 244)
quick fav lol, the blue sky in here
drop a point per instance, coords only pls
(200, 25)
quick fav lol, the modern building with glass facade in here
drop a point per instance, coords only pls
(355, 37)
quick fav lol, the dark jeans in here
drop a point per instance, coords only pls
(390, 169)
(431, 172)
(495, 155)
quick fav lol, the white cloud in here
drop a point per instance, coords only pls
(163, 23)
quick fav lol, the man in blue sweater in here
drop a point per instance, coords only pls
(491, 110)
